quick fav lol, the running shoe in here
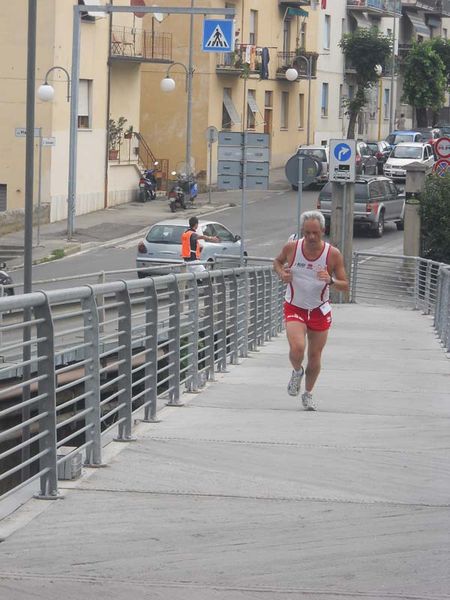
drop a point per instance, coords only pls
(308, 401)
(295, 382)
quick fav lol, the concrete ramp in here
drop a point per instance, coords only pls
(241, 495)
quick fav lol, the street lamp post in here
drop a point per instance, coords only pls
(292, 75)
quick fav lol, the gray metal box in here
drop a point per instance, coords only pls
(229, 167)
(230, 138)
(260, 140)
(254, 183)
(228, 182)
(260, 169)
(251, 154)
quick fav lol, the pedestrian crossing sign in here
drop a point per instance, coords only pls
(218, 35)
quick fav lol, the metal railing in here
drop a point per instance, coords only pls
(105, 354)
(405, 282)
(286, 60)
(137, 44)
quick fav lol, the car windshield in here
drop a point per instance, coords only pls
(166, 234)
(403, 137)
(315, 153)
(407, 152)
(373, 146)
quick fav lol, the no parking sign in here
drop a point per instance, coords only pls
(441, 167)
(442, 147)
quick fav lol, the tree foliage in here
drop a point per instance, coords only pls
(442, 47)
(435, 218)
(424, 80)
(364, 49)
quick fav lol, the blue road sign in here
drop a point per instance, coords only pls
(343, 152)
(218, 35)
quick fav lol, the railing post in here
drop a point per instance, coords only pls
(174, 344)
(222, 341)
(92, 383)
(268, 296)
(125, 366)
(354, 277)
(193, 309)
(47, 404)
(245, 283)
(234, 358)
(151, 353)
(209, 339)
(253, 302)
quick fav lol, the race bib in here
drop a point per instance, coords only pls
(325, 308)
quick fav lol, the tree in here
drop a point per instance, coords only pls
(435, 219)
(364, 49)
(424, 80)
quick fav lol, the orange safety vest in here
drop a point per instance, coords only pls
(186, 251)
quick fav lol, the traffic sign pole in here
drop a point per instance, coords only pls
(299, 192)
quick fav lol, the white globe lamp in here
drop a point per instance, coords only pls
(46, 92)
(378, 69)
(167, 84)
(291, 74)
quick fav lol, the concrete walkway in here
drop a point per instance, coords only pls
(242, 495)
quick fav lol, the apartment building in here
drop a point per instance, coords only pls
(112, 49)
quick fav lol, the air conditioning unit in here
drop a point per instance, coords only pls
(70, 468)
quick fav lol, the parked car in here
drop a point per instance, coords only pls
(381, 150)
(366, 162)
(377, 200)
(403, 154)
(397, 137)
(322, 155)
(163, 241)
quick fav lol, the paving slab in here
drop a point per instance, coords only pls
(241, 495)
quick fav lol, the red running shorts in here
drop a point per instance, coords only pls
(313, 319)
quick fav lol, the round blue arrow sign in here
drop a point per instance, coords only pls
(343, 152)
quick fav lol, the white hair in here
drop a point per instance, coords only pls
(311, 215)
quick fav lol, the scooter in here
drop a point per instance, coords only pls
(184, 185)
(147, 186)
(6, 279)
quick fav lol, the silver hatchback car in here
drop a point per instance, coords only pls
(163, 242)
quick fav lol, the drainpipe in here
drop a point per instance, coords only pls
(108, 106)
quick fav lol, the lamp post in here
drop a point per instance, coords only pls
(46, 93)
(292, 75)
(168, 85)
(392, 106)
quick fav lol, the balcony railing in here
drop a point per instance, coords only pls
(140, 46)
(439, 7)
(295, 2)
(287, 60)
(244, 58)
(381, 7)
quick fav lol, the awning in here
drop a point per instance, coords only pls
(418, 23)
(433, 21)
(295, 12)
(361, 19)
(231, 110)
(94, 14)
(252, 102)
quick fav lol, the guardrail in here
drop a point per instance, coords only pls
(88, 380)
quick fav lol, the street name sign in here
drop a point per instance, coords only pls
(218, 35)
(48, 141)
(342, 161)
(22, 132)
(442, 147)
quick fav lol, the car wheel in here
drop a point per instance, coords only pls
(400, 225)
(141, 275)
(295, 188)
(363, 170)
(210, 264)
(379, 228)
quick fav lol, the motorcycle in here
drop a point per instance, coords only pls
(6, 279)
(184, 185)
(147, 186)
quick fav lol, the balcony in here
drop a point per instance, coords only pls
(136, 45)
(288, 60)
(295, 3)
(380, 8)
(435, 7)
(243, 60)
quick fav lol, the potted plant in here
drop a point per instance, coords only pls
(128, 133)
(115, 132)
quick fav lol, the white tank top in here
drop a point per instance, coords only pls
(306, 290)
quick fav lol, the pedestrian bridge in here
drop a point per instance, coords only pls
(216, 485)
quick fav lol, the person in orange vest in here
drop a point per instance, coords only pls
(190, 248)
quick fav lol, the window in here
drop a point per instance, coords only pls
(2, 197)
(84, 104)
(302, 36)
(286, 35)
(253, 27)
(222, 233)
(324, 104)
(341, 102)
(284, 121)
(327, 32)
(386, 103)
(251, 109)
(230, 115)
(301, 111)
(268, 102)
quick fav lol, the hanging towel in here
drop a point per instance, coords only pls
(265, 59)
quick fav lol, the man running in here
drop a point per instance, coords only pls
(308, 266)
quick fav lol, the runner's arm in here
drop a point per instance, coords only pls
(279, 264)
(337, 276)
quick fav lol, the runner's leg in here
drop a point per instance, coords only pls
(296, 335)
(316, 343)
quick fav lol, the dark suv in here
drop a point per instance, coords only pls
(377, 200)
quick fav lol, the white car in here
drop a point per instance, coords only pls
(163, 242)
(404, 154)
